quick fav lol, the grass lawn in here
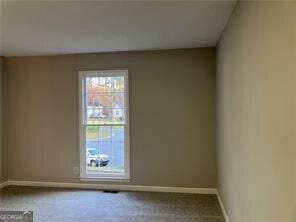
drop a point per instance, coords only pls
(102, 121)
(92, 132)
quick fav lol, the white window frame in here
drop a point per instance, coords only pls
(104, 176)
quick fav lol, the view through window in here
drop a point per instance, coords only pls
(104, 128)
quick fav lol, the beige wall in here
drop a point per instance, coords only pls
(1, 174)
(172, 110)
(257, 113)
(3, 150)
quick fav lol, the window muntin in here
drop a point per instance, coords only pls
(104, 124)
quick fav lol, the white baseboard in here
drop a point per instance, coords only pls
(3, 184)
(113, 187)
(222, 207)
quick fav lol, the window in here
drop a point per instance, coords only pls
(104, 124)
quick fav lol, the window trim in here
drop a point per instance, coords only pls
(82, 148)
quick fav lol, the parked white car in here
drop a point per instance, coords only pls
(94, 158)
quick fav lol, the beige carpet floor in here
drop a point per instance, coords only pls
(72, 205)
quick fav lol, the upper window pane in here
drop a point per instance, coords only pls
(105, 99)
(118, 84)
(105, 84)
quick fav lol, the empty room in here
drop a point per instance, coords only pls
(147, 111)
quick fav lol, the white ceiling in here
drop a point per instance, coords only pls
(62, 27)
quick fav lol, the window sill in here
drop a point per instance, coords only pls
(101, 179)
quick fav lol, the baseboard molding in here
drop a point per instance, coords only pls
(222, 207)
(3, 184)
(113, 187)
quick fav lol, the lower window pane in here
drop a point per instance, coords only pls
(92, 133)
(105, 133)
(105, 150)
(117, 133)
(118, 157)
